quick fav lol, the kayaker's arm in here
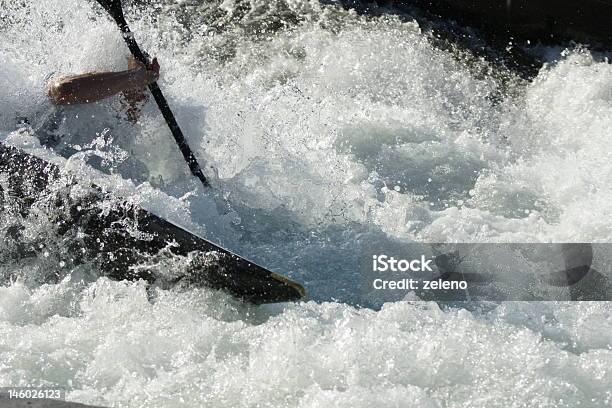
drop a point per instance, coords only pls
(95, 86)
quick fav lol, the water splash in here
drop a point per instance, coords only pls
(326, 130)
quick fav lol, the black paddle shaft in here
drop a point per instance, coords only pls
(113, 7)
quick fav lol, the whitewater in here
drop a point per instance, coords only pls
(322, 130)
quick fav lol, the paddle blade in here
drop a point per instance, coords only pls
(114, 8)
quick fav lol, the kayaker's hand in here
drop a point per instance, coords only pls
(136, 96)
(144, 75)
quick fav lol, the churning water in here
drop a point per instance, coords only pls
(321, 129)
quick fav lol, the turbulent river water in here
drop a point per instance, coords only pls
(322, 129)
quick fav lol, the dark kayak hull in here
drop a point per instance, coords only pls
(108, 237)
(585, 21)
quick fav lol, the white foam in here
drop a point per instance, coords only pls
(110, 345)
(338, 131)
